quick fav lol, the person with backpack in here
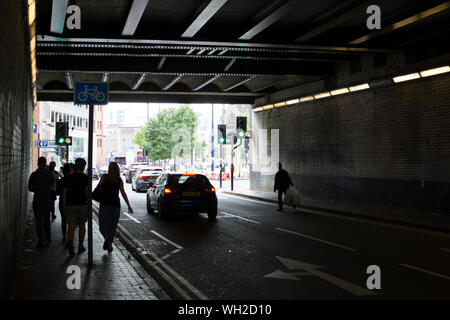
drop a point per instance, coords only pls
(109, 210)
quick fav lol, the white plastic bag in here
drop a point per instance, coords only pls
(292, 197)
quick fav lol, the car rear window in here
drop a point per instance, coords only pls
(185, 179)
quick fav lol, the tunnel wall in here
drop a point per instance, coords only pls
(16, 107)
(385, 148)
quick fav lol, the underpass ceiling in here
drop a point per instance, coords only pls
(224, 51)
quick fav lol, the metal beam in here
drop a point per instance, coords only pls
(238, 84)
(161, 63)
(235, 46)
(268, 85)
(171, 83)
(134, 17)
(210, 10)
(323, 58)
(140, 80)
(206, 83)
(169, 97)
(267, 22)
(331, 23)
(229, 65)
(403, 23)
(59, 11)
(69, 80)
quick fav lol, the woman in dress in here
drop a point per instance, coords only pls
(109, 211)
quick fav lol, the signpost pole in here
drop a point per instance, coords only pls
(89, 172)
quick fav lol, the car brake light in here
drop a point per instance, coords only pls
(167, 190)
(213, 189)
(141, 177)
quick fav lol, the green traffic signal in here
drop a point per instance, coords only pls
(221, 140)
(61, 140)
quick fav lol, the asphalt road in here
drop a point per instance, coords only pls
(251, 251)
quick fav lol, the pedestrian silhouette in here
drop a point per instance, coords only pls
(66, 171)
(75, 194)
(109, 210)
(282, 183)
(55, 175)
(39, 183)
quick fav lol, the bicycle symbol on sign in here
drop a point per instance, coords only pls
(92, 93)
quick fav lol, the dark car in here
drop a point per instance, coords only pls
(144, 178)
(182, 192)
(131, 170)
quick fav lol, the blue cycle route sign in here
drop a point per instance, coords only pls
(91, 93)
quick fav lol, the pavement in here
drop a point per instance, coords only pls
(43, 273)
(418, 219)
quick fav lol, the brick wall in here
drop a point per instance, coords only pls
(15, 135)
(387, 147)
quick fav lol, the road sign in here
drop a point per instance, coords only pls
(91, 93)
(46, 144)
(35, 128)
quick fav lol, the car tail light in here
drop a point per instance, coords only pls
(211, 190)
(167, 190)
(141, 177)
(132, 170)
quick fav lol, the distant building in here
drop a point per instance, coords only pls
(46, 114)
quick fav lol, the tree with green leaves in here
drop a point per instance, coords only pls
(157, 136)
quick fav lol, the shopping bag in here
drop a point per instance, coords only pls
(292, 197)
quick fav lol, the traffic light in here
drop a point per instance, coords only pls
(68, 141)
(247, 144)
(241, 127)
(222, 133)
(61, 133)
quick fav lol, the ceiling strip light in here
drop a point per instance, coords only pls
(363, 86)
(322, 95)
(305, 99)
(339, 91)
(292, 102)
(280, 104)
(435, 71)
(257, 109)
(406, 77)
(269, 106)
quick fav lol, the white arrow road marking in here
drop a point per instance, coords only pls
(166, 240)
(425, 271)
(241, 218)
(278, 274)
(311, 269)
(317, 239)
(132, 218)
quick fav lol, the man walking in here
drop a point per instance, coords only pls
(282, 183)
(74, 199)
(39, 183)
